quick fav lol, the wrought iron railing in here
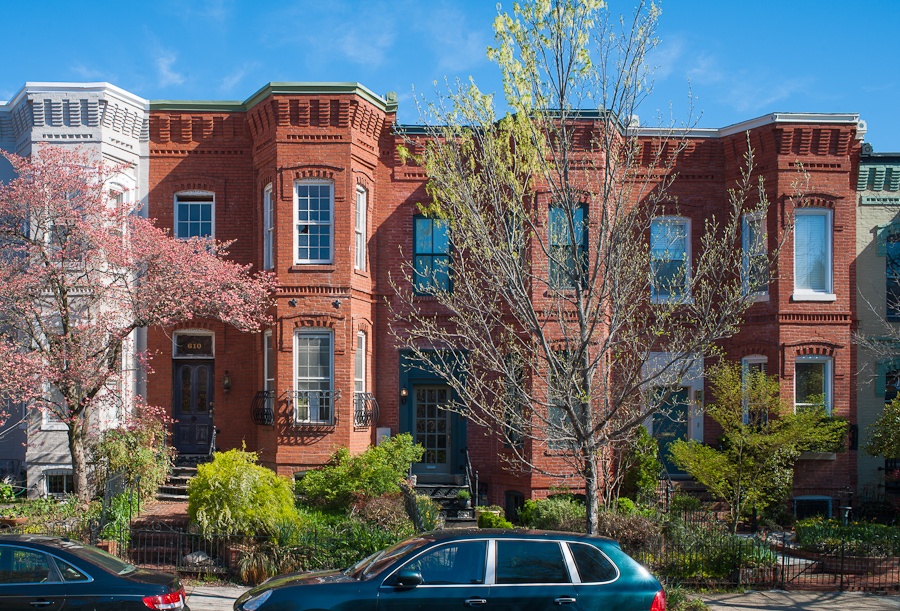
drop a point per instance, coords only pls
(365, 409)
(314, 407)
(262, 410)
(471, 478)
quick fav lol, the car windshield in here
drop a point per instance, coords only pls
(100, 558)
(371, 566)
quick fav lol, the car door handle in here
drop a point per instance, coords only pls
(475, 602)
(564, 600)
(41, 603)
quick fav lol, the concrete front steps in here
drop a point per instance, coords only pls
(175, 487)
(442, 489)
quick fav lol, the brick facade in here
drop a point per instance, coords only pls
(345, 135)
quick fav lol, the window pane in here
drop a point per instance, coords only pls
(892, 273)
(530, 562)
(457, 564)
(810, 383)
(668, 257)
(592, 565)
(810, 263)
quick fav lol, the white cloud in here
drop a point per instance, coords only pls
(665, 57)
(166, 75)
(230, 81)
(94, 74)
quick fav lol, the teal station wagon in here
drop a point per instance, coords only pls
(502, 570)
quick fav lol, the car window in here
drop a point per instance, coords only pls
(458, 563)
(69, 572)
(530, 562)
(100, 558)
(19, 565)
(592, 565)
(374, 564)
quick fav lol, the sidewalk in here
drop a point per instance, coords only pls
(778, 600)
(221, 598)
(213, 598)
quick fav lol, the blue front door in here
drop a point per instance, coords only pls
(671, 424)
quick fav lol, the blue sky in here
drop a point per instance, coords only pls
(740, 59)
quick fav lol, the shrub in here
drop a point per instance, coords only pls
(489, 519)
(632, 530)
(234, 495)
(377, 471)
(138, 448)
(678, 599)
(429, 512)
(121, 509)
(555, 513)
(625, 505)
(642, 475)
(7, 493)
(856, 539)
(682, 502)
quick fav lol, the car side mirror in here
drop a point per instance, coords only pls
(409, 578)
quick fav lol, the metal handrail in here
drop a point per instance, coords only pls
(471, 478)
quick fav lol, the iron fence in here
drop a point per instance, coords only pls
(719, 559)
(693, 557)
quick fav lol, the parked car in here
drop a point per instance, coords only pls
(39, 572)
(499, 570)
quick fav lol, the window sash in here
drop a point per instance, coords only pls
(313, 212)
(812, 380)
(812, 251)
(269, 228)
(360, 229)
(194, 215)
(669, 256)
(359, 375)
(892, 276)
(314, 367)
(755, 255)
(431, 261)
(567, 246)
(752, 365)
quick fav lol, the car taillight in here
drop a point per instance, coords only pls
(659, 601)
(172, 600)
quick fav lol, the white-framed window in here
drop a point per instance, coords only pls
(359, 369)
(313, 219)
(359, 261)
(59, 482)
(813, 382)
(268, 228)
(813, 255)
(670, 258)
(755, 259)
(314, 377)
(568, 246)
(269, 369)
(195, 214)
(751, 366)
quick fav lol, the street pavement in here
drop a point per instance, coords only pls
(779, 600)
(221, 598)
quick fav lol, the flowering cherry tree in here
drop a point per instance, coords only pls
(80, 271)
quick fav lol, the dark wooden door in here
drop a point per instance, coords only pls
(192, 405)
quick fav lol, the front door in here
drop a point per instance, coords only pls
(671, 424)
(432, 425)
(192, 405)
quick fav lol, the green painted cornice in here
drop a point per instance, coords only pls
(387, 104)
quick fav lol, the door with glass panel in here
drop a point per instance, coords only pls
(432, 428)
(192, 406)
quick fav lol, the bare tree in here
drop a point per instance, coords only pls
(568, 273)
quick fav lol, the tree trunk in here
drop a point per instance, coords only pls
(591, 494)
(79, 462)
